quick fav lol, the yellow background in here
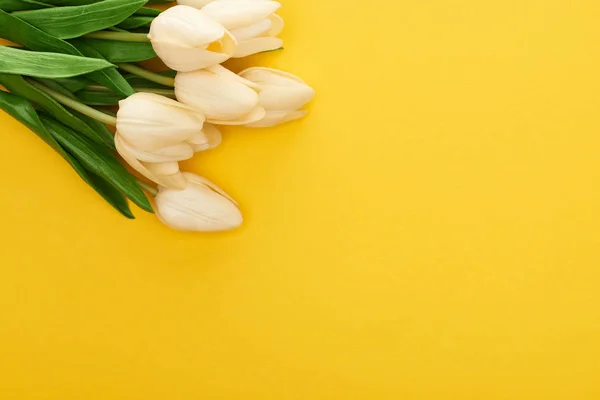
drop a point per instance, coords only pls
(430, 231)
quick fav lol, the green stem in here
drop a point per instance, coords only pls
(147, 187)
(148, 75)
(119, 36)
(76, 105)
(162, 92)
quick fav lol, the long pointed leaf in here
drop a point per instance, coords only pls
(118, 52)
(93, 98)
(18, 31)
(23, 111)
(19, 86)
(47, 65)
(74, 84)
(116, 77)
(75, 21)
(136, 21)
(147, 11)
(99, 160)
(18, 5)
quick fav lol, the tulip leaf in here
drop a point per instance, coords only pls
(116, 77)
(74, 84)
(56, 86)
(19, 86)
(99, 160)
(118, 52)
(24, 112)
(147, 11)
(74, 21)
(98, 126)
(19, 5)
(94, 98)
(47, 65)
(18, 31)
(136, 21)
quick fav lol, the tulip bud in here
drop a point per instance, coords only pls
(194, 3)
(200, 206)
(155, 132)
(186, 39)
(252, 22)
(281, 94)
(222, 96)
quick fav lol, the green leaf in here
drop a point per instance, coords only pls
(24, 112)
(97, 126)
(117, 79)
(74, 21)
(99, 160)
(18, 5)
(94, 98)
(47, 65)
(74, 84)
(19, 86)
(136, 21)
(117, 51)
(18, 31)
(57, 87)
(147, 11)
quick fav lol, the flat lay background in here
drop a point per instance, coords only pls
(430, 231)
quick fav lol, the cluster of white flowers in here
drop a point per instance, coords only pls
(154, 132)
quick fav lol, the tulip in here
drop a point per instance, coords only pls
(186, 39)
(200, 206)
(252, 22)
(281, 94)
(194, 3)
(155, 132)
(222, 96)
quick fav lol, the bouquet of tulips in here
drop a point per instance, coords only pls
(72, 75)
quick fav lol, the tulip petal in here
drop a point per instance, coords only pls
(186, 39)
(200, 180)
(280, 90)
(194, 3)
(185, 58)
(261, 28)
(150, 122)
(217, 95)
(277, 25)
(248, 47)
(174, 182)
(213, 135)
(178, 152)
(187, 26)
(273, 118)
(200, 206)
(227, 74)
(234, 14)
(256, 114)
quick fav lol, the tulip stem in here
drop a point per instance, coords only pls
(162, 92)
(147, 187)
(119, 36)
(75, 105)
(148, 75)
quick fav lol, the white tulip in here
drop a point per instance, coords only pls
(155, 132)
(194, 3)
(281, 94)
(200, 206)
(253, 22)
(186, 39)
(222, 96)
